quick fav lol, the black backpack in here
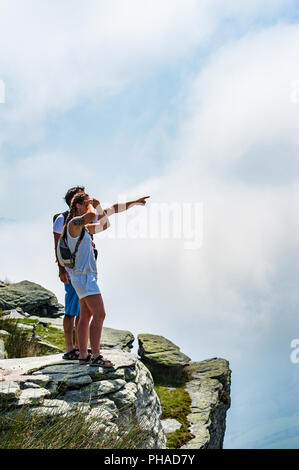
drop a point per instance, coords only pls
(65, 214)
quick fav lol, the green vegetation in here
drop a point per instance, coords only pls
(19, 342)
(49, 334)
(25, 429)
(175, 403)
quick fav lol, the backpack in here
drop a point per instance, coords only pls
(65, 257)
(65, 214)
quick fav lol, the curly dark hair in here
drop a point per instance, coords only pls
(71, 193)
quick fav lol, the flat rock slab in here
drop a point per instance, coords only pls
(25, 364)
(160, 351)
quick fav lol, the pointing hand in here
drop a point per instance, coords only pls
(141, 201)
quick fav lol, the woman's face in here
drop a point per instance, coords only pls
(82, 208)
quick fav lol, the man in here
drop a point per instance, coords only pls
(72, 308)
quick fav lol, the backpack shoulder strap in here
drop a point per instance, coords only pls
(79, 241)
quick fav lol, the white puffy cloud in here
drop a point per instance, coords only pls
(239, 117)
(56, 54)
(242, 280)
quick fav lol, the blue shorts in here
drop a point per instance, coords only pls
(72, 306)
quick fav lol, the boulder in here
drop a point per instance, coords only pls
(160, 352)
(31, 297)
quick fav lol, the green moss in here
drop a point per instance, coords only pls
(176, 405)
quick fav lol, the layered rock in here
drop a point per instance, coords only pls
(31, 297)
(115, 396)
(209, 390)
(120, 395)
(207, 383)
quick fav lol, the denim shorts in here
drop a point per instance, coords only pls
(72, 306)
(85, 284)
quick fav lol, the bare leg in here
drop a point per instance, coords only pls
(76, 331)
(96, 307)
(68, 326)
(83, 328)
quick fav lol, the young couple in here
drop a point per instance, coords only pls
(83, 299)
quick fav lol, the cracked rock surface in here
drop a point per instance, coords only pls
(209, 391)
(116, 395)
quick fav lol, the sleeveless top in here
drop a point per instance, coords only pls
(85, 260)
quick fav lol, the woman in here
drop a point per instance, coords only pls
(84, 274)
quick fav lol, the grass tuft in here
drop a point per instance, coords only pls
(24, 428)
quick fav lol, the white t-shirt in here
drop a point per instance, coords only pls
(58, 227)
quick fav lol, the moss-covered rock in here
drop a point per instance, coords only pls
(160, 352)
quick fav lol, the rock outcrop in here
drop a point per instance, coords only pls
(209, 390)
(31, 297)
(160, 352)
(118, 396)
(208, 385)
(115, 396)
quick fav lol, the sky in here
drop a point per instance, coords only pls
(195, 103)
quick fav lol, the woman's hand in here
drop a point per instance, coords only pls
(141, 201)
(95, 202)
